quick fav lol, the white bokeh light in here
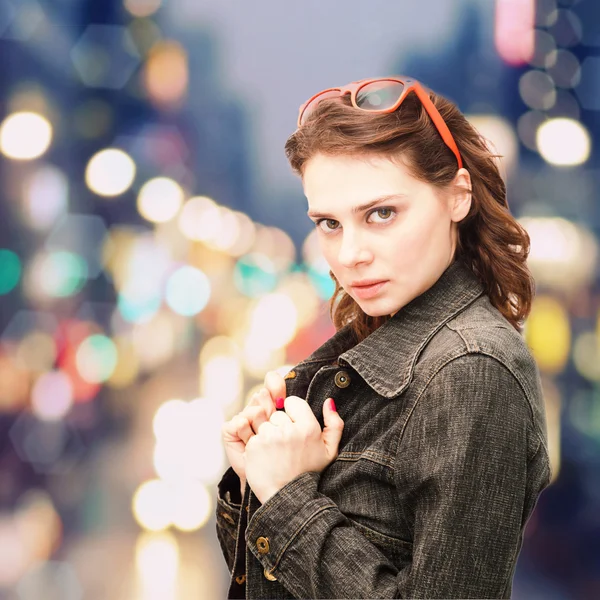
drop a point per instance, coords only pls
(45, 197)
(25, 135)
(160, 199)
(563, 142)
(153, 505)
(110, 172)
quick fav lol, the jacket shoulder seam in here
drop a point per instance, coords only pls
(440, 367)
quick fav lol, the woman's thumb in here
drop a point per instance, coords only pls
(334, 426)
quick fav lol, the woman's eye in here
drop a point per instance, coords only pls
(331, 225)
(328, 223)
(387, 213)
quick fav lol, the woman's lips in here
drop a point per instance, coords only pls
(368, 291)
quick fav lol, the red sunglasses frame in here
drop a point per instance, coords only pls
(410, 85)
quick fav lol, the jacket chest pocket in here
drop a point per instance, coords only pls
(361, 484)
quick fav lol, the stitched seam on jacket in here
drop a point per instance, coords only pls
(381, 389)
(464, 339)
(276, 500)
(298, 530)
(314, 360)
(386, 459)
(382, 538)
(435, 374)
(547, 456)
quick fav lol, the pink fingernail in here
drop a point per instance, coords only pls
(332, 404)
(279, 402)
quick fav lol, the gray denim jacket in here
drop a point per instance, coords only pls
(442, 459)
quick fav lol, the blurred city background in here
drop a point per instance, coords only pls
(156, 260)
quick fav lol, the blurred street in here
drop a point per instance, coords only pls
(156, 260)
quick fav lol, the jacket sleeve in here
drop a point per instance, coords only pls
(461, 467)
(229, 504)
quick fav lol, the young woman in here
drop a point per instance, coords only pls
(421, 483)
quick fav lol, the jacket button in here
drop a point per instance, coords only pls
(240, 579)
(290, 375)
(342, 379)
(269, 576)
(262, 543)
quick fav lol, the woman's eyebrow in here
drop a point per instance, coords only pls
(361, 208)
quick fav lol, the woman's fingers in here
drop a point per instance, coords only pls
(275, 384)
(242, 427)
(259, 409)
(255, 415)
(280, 418)
(267, 402)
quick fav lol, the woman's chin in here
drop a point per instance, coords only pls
(373, 311)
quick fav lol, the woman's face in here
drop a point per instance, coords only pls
(405, 238)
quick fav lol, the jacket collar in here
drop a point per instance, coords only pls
(385, 359)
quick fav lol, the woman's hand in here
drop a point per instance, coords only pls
(291, 443)
(241, 427)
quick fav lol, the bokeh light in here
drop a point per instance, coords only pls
(548, 334)
(45, 197)
(193, 506)
(187, 291)
(36, 351)
(160, 199)
(177, 460)
(537, 90)
(25, 135)
(563, 142)
(153, 505)
(110, 172)
(277, 245)
(221, 378)
(81, 235)
(55, 275)
(142, 8)
(96, 358)
(128, 366)
(274, 321)
(156, 340)
(166, 73)
(137, 305)
(157, 559)
(586, 355)
(319, 274)
(198, 217)
(255, 274)
(297, 286)
(514, 30)
(500, 137)
(10, 271)
(563, 255)
(52, 396)
(168, 418)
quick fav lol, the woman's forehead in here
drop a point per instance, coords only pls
(355, 181)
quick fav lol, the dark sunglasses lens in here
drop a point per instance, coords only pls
(379, 95)
(313, 104)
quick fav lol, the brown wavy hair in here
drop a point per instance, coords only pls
(490, 240)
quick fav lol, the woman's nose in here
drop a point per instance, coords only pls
(352, 251)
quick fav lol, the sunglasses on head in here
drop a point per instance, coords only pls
(383, 95)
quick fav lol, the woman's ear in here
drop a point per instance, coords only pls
(461, 199)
